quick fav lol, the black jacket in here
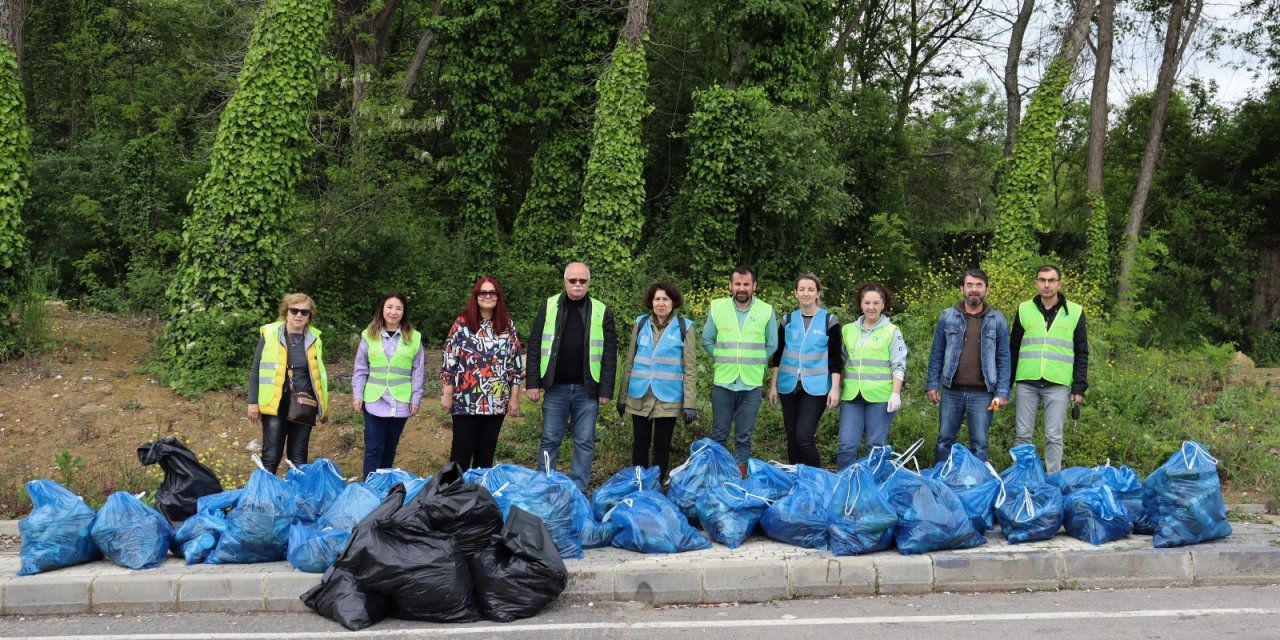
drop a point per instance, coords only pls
(608, 362)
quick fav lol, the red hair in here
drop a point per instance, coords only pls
(471, 315)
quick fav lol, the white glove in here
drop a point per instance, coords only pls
(895, 402)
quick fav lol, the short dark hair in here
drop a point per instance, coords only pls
(809, 276)
(975, 273)
(677, 300)
(876, 287)
(743, 270)
(1050, 267)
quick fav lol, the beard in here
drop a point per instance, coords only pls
(742, 297)
(974, 301)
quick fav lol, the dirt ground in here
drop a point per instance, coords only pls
(88, 397)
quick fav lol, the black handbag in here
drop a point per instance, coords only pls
(303, 407)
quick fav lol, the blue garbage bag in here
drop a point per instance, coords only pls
(1030, 512)
(1183, 499)
(860, 519)
(314, 550)
(879, 461)
(730, 512)
(648, 522)
(382, 480)
(930, 516)
(198, 535)
(1073, 478)
(799, 518)
(315, 484)
(1127, 487)
(592, 533)
(1095, 516)
(553, 503)
(623, 483)
(769, 480)
(130, 533)
(350, 507)
(709, 465)
(219, 503)
(1026, 468)
(258, 527)
(975, 482)
(500, 478)
(58, 531)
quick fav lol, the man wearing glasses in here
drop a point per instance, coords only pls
(1050, 349)
(575, 363)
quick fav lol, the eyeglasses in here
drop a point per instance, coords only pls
(1046, 280)
(299, 312)
(483, 293)
(577, 280)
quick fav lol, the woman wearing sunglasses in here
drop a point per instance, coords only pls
(289, 360)
(481, 374)
(386, 382)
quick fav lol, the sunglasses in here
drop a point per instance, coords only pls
(577, 280)
(483, 293)
(299, 312)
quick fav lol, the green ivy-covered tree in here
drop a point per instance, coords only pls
(785, 41)
(613, 190)
(15, 168)
(232, 270)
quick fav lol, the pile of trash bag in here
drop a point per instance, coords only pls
(186, 480)
(445, 555)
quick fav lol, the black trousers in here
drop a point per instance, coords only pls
(800, 415)
(282, 437)
(475, 438)
(658, 432)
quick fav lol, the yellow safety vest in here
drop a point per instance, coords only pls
(395, 374)
(271, 368)
(866, 364)
(1047, 353)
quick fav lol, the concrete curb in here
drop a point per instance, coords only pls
(759, 571)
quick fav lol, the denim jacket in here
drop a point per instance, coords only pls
(948, 340)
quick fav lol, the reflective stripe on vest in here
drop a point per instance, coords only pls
(595, 343)
(1047, 353)
(658, 366)
(804, 355)
(272, 366)
(867, 370)
(395, 374)
(740, 351)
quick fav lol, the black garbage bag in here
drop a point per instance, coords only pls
(521, 572)
(463, 511)
(185, 479)
(340, 598)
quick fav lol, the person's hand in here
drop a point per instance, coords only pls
(533, 394)
(413, 410)
(357, 404)
(773, 396)
(622, 408)
(1001, 402)
(254, 414)
(513, 405)
(895, 402)
(603, 401)
(446, 401)
(833, 398)
(690, 415)
(933, 396)
(1077, 398)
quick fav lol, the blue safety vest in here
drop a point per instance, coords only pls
(658, 366)
(804, 355)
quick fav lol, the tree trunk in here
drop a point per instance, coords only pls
(637, 18)
(368, 33)
(1175, 38)
(13, 19)
(1012, 93)
(420, 54)
(1098, 99)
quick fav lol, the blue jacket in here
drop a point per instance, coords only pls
(948, 340)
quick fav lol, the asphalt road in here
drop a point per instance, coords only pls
(1198, 613)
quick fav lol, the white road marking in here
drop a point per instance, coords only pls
(682, 624)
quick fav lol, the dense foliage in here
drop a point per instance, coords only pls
(15, 168)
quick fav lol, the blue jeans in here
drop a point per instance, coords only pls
(558, 403)
(735, 410)
(381, 437)
(857, 416)
(954, 407)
